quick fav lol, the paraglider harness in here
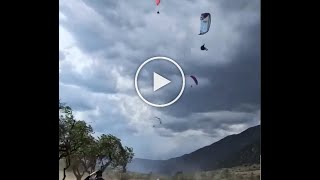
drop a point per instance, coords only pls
(203, 48)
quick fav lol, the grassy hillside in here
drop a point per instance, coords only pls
(233, 150)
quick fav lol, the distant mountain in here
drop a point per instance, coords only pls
(233, 150)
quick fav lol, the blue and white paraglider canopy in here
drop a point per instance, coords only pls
(205, 21)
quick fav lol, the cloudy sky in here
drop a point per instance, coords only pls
(103, 42)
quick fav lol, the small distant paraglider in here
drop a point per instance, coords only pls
(158, 119)
(157, 3)
(203, 48)
(194, 79)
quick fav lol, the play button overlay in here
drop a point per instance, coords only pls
(159, 81)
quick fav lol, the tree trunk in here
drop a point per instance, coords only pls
(89, 165)
(76, 171)
(104, 166)
(64, 173)
(124, 168)
(66, 167)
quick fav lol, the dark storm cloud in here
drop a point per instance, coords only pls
(126, 33)
(95, 81)
(75, 97)
(88, 38)
(238, 5)
(109, 11)
(106, 121)
(231, 84)
(100, 6)
(119, 24)
(214, 122)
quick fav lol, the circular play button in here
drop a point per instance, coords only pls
(160, 80)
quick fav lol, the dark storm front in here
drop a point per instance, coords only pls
(211, 132)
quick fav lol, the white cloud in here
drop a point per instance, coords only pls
(65, 38)
(62, 17)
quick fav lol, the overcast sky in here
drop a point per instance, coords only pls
(103, 42)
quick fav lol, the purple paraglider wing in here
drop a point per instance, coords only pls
(195, 79)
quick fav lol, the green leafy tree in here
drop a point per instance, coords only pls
(81, 151)
(86, 156)
(89, 155)
(124, 157)
(108, 151)
(83, 160)
(66, 124)
(72, 135)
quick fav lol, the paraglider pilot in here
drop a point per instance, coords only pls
(203, 48)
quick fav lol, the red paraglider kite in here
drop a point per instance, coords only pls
(157, 3)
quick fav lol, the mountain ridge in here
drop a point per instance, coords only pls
(232, 150)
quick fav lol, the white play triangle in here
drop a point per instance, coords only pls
(159, 81)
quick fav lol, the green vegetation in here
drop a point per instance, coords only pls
(80, 151)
